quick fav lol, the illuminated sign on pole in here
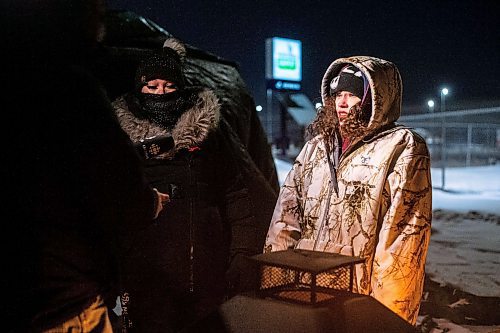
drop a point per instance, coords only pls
(283, 63)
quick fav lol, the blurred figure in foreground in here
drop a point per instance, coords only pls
(361, 185)
(75, 176)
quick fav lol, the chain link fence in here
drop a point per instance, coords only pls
(456, 144)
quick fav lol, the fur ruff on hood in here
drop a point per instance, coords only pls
(191, 129)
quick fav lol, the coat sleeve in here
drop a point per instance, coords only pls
(117, 196)
(238, 204)
(285, 227)
(399, 263)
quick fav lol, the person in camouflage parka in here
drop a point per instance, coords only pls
(361, 186)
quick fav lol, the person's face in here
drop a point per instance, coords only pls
(344, 100)
(159, 87)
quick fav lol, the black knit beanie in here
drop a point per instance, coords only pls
(349, 79)
(165, 65)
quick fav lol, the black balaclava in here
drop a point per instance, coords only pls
(165, 110)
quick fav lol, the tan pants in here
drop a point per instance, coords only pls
(93, 319)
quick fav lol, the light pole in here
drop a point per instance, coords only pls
(432, 142)
(444, 92)
(269, 115)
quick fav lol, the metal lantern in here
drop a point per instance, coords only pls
(304, 276)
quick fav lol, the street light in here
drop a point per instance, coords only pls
(430, 104)
(444, 92)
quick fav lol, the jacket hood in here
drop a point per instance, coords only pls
(385, 84)
(191, 129)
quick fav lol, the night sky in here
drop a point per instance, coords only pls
(434, 43)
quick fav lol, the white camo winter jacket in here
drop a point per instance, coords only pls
(382, 211)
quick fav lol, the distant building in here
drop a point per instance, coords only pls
(286, 120)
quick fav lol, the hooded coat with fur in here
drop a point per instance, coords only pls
(183, 266)
(378, 205)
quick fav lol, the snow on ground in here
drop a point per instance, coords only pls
(466, 189)
(464, 251)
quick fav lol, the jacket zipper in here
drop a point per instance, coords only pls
(326, 215)
(332, 186)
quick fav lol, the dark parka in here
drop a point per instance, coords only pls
(184, 265)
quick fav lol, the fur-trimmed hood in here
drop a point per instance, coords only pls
(385, 84)
(191, 129)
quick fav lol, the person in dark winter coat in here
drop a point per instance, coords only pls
(184, 266)
(73, 175)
